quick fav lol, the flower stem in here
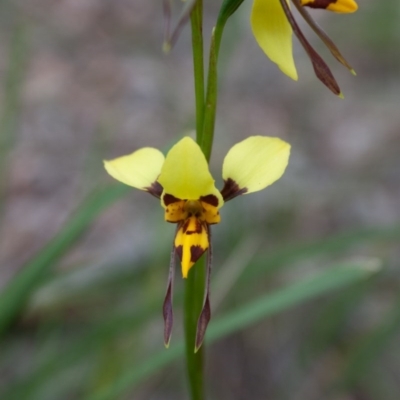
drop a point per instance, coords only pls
(194, 284)
(210, 106)
(194, 289)
(196, 19)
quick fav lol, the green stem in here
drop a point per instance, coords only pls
(194, 289)
(210, 108)
(196, 19)
(228, 7)
(194, 285)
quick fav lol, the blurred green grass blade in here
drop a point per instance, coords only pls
(14, 79)
(380, 383)
(84, 347)
(14, 296)
(289, 254)
(367, 352)
(134, 376)
(332, 279)
(327, 281)
(12, 93)
(328, 324)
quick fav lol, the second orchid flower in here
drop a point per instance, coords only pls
(273, 23)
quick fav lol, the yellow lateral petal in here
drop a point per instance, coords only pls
(139, 169)
(340, 6)
(256, 162)
(185, 173)
(274, 34)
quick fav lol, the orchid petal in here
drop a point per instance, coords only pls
(185, 174)
(274, 34)
(339, 6)
(139, 169)
(254, 164)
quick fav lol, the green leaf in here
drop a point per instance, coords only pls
(210, 108)
(366, 353)
(16, 293)
(12, 92)
(227, 9)
(288, 254)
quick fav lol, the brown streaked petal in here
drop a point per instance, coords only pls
(168, 315)
(321, 70)
(167, 11)
(182, 20)
(323, 36)
(168, 301)
(205, 314)
(202, 324)
(231, 189)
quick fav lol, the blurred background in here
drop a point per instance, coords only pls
(84, 260)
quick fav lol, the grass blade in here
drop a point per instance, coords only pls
(365, 355)
(14, 296)
(332, 279)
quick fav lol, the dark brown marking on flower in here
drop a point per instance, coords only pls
(178, 250)
(231, 189)
(322, 35)
(198, 227)
(155, 189)
(168, 314)
(321, 70)
(169, 199)
(196, 252)
(185, 226)
(210, 199)
(320, 3)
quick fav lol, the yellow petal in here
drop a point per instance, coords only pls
(175, 212)
(340, 6)
(256, 163)
(139, 169)
(210, 212)
(274, 34)
(185, 174)
(191, 242)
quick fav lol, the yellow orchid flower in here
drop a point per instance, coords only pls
(183, 183)
(273, 23)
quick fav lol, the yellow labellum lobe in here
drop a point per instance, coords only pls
(191, 242)
(194, 216)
